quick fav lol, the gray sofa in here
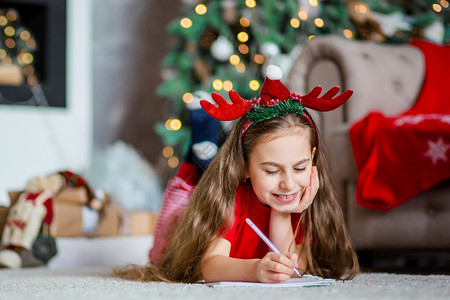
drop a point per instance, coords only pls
(387, 78)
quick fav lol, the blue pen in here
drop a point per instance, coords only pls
(267, 241)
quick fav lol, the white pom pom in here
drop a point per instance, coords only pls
(274, 72)
(221, 49)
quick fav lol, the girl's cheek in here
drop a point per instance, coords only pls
(305, 179)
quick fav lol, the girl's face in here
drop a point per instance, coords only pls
(280, 169)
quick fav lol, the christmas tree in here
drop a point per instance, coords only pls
(227, 44)
(17, 44)
(17, 60)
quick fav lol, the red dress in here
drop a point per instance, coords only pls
(245, 243)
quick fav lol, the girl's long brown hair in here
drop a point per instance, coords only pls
(325, 240)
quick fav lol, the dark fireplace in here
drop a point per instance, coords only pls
(33, 52)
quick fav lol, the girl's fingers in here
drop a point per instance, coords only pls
(276, 267)
(294, 258)
(305, 201)
(310, 191)
(279, 263)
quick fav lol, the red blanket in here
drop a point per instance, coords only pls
(400, 156)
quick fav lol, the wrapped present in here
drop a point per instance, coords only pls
(68, 213)
(138, 222)
(109, 221)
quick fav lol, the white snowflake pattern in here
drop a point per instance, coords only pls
(437, 150)
(417, 119)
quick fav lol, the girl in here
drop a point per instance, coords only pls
(272, 170)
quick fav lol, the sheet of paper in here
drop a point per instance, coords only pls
(292, 282)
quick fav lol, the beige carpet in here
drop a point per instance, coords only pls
(97, 283)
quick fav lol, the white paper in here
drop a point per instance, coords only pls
(292, 282)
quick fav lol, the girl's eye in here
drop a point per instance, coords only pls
(270, 172)
(300, 169)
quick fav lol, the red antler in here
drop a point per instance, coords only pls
(225, 111)
(326, 102)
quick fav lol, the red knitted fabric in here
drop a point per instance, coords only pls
(400, 156)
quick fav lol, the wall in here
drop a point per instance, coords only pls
(37, 141)
(129, 42)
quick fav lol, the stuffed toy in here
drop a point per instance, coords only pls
(27, 226)
(32, 211)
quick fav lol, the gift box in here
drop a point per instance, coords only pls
(138, 222)
(109, 221)
(67, 211)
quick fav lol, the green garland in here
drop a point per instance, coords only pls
(258, 113)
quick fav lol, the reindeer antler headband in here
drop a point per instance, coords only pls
(275, 100)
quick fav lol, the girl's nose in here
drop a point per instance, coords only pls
(287, 182)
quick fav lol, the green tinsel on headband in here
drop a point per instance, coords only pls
(258, 113)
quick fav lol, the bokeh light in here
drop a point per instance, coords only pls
(348, 33)
(244, 22)
(240, 68)
(201, 9)
(168, 152)
(437, 7)
(3, 21)
(25, 35)
(242, 36)
(313, 3)
(227, 85)
(303, 15)
(254, 85)
(234, 59)
(188, 97)
(318, 22)
(9, 31)
(250, 3)
(243, 48)
(173, 162)
(186, 23)
(258, 58)
(295, 23)
(217, 84)
(175, 124)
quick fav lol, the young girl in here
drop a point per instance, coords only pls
(270, 169)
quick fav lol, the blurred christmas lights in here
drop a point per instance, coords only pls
(188, 97)
(227, 85)
(250, 3)
(318, 22)
(254, 85)
(186, 23)
(201, 9)
(242, 36)
(217, 84)
(295, 23)
(234, 59)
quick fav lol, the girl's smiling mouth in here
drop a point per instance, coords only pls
(287, 198)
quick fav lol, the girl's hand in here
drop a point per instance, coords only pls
(275, 267)
(310, 192)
